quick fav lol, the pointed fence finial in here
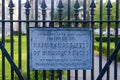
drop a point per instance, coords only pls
(27, 10)
(11, 5)
(109, 4)
(60, 4)
(27, 4)
(92, 5)
(43, 5)
(77, 5)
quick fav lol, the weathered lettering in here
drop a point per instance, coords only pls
(60, 48)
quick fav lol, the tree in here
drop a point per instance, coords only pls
(104, 14)
(65, 10)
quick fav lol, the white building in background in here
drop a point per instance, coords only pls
(48, 10)
(7, 25)
(7, 17)
(23, 17)
(32, 14)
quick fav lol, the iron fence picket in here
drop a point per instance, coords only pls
(27, 12)
(11, 5)
(60, 13)
(51, 24)
(44, 6)
(76, 6)
(108, 6)
(19, 37)
(92, 7)
(36, 25)
(100, 43)
(116, 39)
(84, 25)
(3, 39)
(69, 25)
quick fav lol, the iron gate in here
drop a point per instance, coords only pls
(17, 17)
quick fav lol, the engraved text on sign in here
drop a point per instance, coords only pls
(60, 48)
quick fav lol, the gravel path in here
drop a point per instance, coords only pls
(96, 70)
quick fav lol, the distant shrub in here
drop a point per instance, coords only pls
(40, 75)
(104, 38)
(104, 49)
(7, 40)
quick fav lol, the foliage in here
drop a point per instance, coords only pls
(7, 40)
(104, 14)
(104, 49)
(65, 10)
(48, 75)
(104, 45)
(104, 38)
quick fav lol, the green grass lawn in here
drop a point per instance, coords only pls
(7, 65)
(24, 61)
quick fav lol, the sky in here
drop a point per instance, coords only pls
(15, 1)
(111, 0)
(23, 1)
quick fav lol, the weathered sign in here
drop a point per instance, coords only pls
(60, 48)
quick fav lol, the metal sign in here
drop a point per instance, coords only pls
(60, 48)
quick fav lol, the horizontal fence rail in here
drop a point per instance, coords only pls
(16, 18)
(64, 21)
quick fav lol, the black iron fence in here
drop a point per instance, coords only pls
(54, 13)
